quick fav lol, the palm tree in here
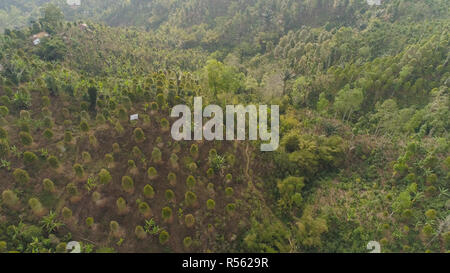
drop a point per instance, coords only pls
(49, 222)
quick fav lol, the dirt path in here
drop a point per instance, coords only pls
(247, 165)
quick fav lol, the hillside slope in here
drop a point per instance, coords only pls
(364, 128)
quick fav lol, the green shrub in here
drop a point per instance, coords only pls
(25, 138)
(174, 161)
(86, 156)
(116, 148)
(72, 189)
(229, 191)
(119, 128)
(48, 185)
(84, 126)
(192, 167)
(230, 208)
(431, 214)
(165, 125)
(36, 206)
(104, 177)
(190, 198)
(144, 209)
(161, 100)
(210, 204)
(290, 191)
(89, 222)
(446, 237)
(447, 162)
(122, 113)
(96, 196)
(176, 147)
(170, 195)
(30, 159)
(109, 158)
(210, 187)
(190, 182)
(154, 106)
(47, 121)
(212, 153)
(189, 220)
(139, 135)
(45, 101)
(131, 164)
(194, 151)
(140, 232)
(152, 173)
(4, 148)
(114, 227)
(428, 230)
(68, 136)
(121, 205)
(10, 199)
(156, 155)
(187, 242)
(3, 247)
(93, 140)
(163, 237)
(61, 248)
(172, 178)
(127, 184)
(5, 101)
(53, 162)
(48, 134)
(4, 111)
(21, 176)
(148, 191)
(24, 126)
(210, 173)
(137, 153)
(79, 170)
(24, 114)
(66, 213)
(159, 142)
(407, 214)
(228, 178)
(3, 133)
(166, 214)
(430, 191)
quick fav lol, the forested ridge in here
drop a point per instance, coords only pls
(364, 102)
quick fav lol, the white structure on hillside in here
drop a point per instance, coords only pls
(74, 3)
(374, 2)
(134, 117)
(36, 38)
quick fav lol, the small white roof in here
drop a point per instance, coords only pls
(74, 2)
(134, 117)
(374, 2)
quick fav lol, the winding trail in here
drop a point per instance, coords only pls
(248, 162)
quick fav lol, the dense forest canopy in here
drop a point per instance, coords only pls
(364, 101)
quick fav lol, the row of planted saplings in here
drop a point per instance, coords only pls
(11, 200)
(104, 177)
